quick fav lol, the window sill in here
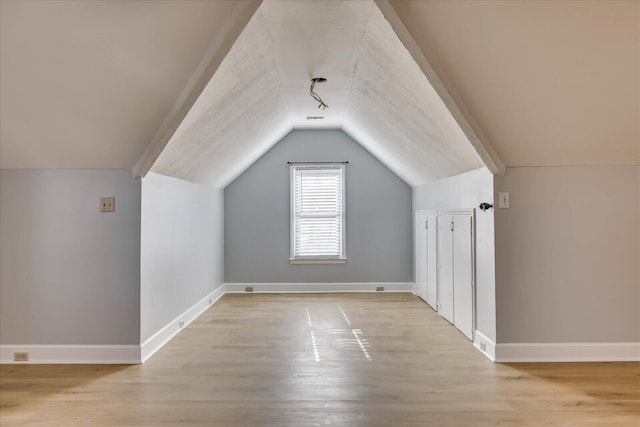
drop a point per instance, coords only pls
(317, 261)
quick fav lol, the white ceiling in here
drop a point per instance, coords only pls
(92, 84)
(375, 91)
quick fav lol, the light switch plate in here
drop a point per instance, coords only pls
(504, 201)
(107, 204)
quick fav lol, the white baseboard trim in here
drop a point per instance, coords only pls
(568, 352)
(134, 354)
(298, 288)
(151, 345)
(72, 354)
(485, 345)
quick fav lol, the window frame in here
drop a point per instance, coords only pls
(316, 259)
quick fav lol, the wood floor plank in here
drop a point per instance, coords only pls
(317, 360)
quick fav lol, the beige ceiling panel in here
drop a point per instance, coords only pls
(87, 84)
(549, 82)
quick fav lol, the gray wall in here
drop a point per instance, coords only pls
(378, 216)
(68, 273)
(468, 190)
(568, 255)
(182, 256)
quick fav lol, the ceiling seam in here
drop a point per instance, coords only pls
(278, 65)
(361, 49)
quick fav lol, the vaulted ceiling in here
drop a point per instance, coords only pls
(375, 90)
(199, 90)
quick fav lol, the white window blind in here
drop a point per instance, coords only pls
(317, 212)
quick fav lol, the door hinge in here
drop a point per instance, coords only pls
(451, 225)
(426, 225)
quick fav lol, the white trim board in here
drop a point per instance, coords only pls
(154, 343)
(134, 354)
(300, 288)
(72, 354)
(568, 352)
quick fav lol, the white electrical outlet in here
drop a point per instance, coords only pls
(21, 357)
(107, 204)
(504, 201)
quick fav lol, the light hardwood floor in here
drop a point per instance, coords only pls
(318, 360)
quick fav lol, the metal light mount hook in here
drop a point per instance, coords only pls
(315, 95)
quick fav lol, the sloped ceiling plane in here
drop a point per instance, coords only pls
(200, 90)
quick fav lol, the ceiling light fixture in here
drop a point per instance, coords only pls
(315, 95)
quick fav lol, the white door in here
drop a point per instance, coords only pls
(463, 273)
(445, 258)
(421, 255)
(432, 261)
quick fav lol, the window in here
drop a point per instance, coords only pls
(317, 213)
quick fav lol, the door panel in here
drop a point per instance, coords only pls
(421, 256)
(463, 274)
(432, 262)
(445, 258)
